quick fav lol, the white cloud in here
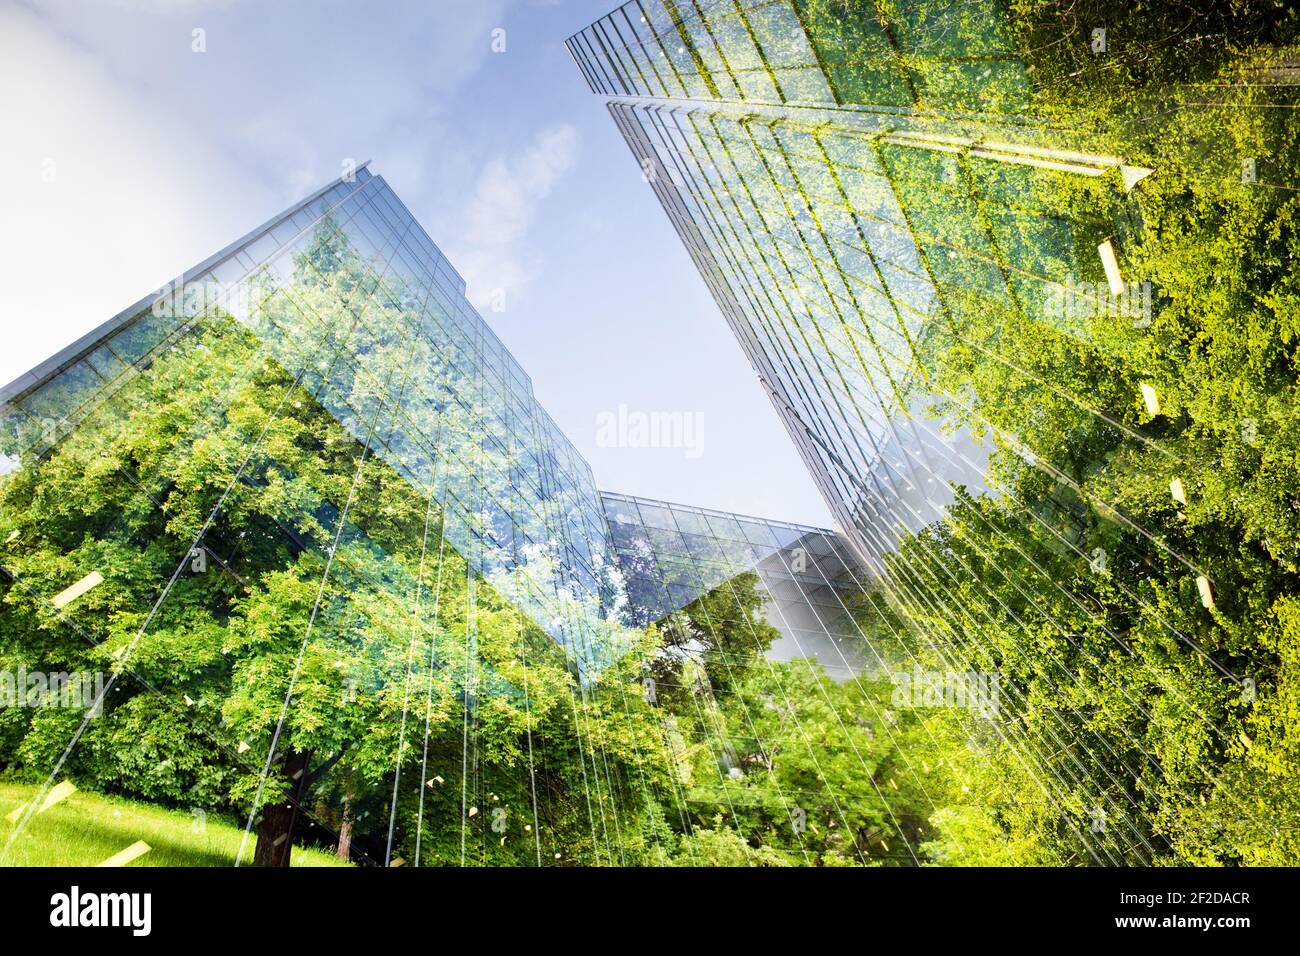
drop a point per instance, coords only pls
(162, 155)
(294, 87)
(489, 250)
(103, 201)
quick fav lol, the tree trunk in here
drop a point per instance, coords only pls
(275, 832)
(344, 851)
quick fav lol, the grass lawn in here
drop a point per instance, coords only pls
(87, 828)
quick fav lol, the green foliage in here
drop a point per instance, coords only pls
(1120, 689)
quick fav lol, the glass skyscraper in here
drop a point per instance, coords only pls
(456, 418)
(947, 238)
(811, 159)
(331, 410)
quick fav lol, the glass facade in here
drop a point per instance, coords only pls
(768, 685)
(289, 549)
(457, 417)
(671, 555)
(838, 225)
(321, 521)
(805, 53)
(955, 243)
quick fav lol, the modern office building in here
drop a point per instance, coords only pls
(922, 221)
(671, 555)
(848, 183)
(409, 370)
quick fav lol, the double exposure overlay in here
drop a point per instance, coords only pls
(1020, 281)
(296, 570)
(300, 507)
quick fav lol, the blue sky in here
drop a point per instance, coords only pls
(131, 157)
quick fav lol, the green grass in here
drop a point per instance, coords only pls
(87, 828)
